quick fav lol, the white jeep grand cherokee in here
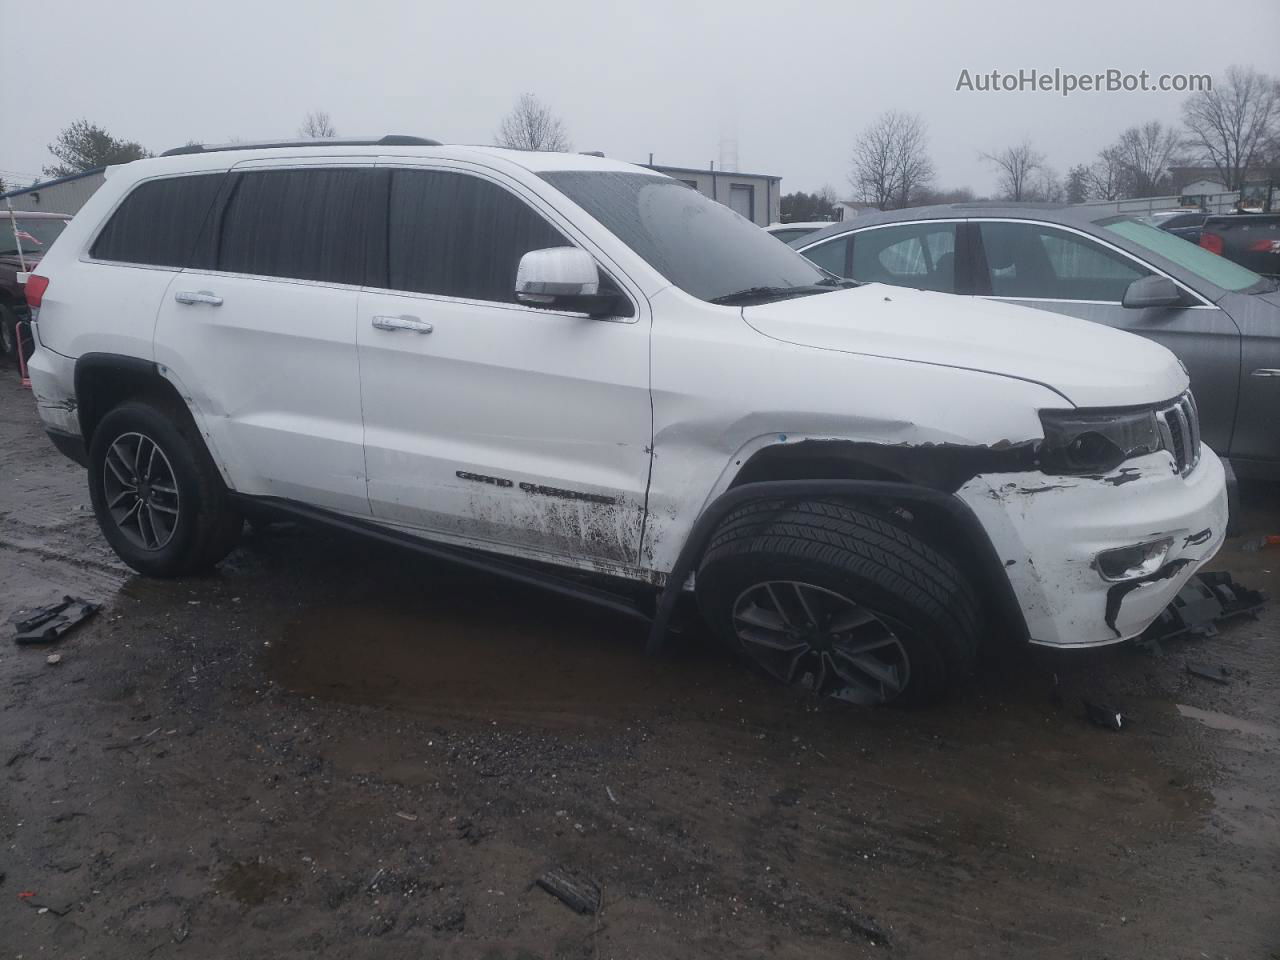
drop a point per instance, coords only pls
(584, 374)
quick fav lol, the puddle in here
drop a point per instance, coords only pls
(1223, 721)
(496, 652)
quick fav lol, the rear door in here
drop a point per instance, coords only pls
(1050, 267)
(489, 422)
(261, 333)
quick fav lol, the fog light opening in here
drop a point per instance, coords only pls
(1131, 563)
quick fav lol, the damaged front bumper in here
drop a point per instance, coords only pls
(1050, 530)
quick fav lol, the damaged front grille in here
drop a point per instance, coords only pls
(1180, 427)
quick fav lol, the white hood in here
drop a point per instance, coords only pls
(1088, 363)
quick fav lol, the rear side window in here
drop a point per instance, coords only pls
(919, 255)
(460, 236)
(158, 222)
(300, 224)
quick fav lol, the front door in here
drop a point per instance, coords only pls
(1051, 268)
(487, 422)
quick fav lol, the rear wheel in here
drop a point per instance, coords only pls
(8, 333)
(156, 492)
(841, 601)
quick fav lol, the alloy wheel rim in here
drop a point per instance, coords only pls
(817, 638)
(141, 491)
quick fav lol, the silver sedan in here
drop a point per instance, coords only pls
(1221, 320)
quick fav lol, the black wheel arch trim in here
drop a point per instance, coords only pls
(991, 579)
(90, 364)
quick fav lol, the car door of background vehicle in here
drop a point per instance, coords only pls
(1054, 268)
(261, 331)
(488, 422)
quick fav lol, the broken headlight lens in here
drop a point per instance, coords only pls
(1082, 441)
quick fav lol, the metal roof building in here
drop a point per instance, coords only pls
(61, 195)
(757, 196)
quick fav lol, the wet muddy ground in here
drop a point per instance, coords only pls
(335, 749)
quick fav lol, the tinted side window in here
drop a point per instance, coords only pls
(300, 224)
(159, 221)
(920, 255)
(1031, 260)
(460, 236)
(831, 256)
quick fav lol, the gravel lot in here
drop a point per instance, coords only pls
(336, 749)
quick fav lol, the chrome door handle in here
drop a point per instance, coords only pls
(402, 323)
(1265, 372)
(198, 296)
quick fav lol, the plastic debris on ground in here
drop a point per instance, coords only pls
(575, 892)
(51, 623)
(1101, 715)
(1207, 599)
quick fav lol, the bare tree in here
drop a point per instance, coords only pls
(1231, 126)
(1018, 166)
(317, 126)
(1046, 187)
(532, 126)
(890, 164)
(1105, 176)
(1145, 154)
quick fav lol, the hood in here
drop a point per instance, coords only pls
(1089, 364)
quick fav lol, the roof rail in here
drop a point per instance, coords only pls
(390, 140)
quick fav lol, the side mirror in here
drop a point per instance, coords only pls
(565, 278)
(1151, 291)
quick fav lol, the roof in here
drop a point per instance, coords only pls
(216, 160)
(1053, 212)
(663, 168)
(43, 184)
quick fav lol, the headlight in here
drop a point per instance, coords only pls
(1077, 441)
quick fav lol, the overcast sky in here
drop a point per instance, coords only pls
(793, 82)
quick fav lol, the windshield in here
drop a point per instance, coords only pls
(701, 246)
(36, 236)
(1196, 260)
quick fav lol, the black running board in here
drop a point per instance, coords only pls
(473, 559)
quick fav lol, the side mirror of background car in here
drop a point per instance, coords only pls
(565, 278)
(1151, 291)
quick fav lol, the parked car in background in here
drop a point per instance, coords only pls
(787, 232)
(24, 239)
(556, 365)
(1181, 223)
(1250, 239)
(1221, 319)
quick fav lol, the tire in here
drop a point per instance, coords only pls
(840, 600)
(192, 523)
(8, 333)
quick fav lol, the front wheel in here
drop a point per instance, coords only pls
(828, 596)
(156, 492)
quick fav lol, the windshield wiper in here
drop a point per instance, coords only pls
(767, 293)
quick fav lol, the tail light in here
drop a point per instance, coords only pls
(35, 288)
(1265, 246)
(1211, 242)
